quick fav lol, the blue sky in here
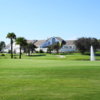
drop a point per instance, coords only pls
(40, 19)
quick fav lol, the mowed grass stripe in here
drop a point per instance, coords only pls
(29, 79)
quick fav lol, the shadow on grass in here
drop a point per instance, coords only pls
(82, 59)
(88, 54)
(97, 54)
(36, 55)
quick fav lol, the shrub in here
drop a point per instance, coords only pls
(41, 51)
(9, 51)
(37, 51)
(2, 54)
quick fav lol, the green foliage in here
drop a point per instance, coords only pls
(50, 48)
(37, 51)
(2, 45)
(9, 51)
(30, 47)
(22, 42)
(2, 54)
(56, 46)
(41, 51)
(11, 36)
(83, 44)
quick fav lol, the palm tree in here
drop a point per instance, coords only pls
(11, 36)
(22, 42)
(30, 48)
(49, 49)
(59, 45)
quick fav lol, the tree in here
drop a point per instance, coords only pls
(83, 44)
(30, 48)
(56, 46)
(99, 44)
(21, 41)
(11, 36)
(2, 45)
(49, 49)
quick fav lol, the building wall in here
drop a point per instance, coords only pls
(50, 41)
(16, 48)
(43, 49)
(68, 48)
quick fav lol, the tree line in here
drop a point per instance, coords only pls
(82, 44)
(22, 42)
(27, 47)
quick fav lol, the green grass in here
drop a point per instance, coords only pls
(49, 78)
(40, 56)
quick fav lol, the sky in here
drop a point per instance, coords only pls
(41, 19)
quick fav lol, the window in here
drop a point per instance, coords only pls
(53, 40)
(70, 47)
(49, 43)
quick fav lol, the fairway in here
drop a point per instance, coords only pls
(29, 79)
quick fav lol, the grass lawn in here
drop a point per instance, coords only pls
(49, 78)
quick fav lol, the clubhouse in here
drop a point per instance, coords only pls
(69, 45)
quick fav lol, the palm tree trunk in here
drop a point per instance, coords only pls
(20, 53)
(50, 50)
(57, 51)
(28, 52)
(11, 48)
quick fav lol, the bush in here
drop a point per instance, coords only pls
(2, 54)
(37, 51)
(41, 51)
(9, 51)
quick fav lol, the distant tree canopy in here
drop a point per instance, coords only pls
(99, 43)
(2, 45)
(30, 48)
(83, 44)
(21, 41)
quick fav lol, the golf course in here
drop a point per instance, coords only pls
(49, 49)
(49, 77)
